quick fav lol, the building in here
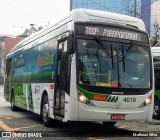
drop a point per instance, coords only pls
(10, 43)
(151, 16)
(2, 47)
(155, 15)
(146, 13)
(117, 6)
(7, 42)
(147, 10)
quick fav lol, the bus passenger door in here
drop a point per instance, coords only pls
(61, 79)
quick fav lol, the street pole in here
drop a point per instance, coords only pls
(135, 8)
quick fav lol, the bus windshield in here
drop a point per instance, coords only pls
(113, 64)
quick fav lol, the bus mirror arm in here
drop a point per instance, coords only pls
(70, 49)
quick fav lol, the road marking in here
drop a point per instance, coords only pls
(6, 117)
(7, 128)
(91, 138)
(25, 127)
(123, 126)
(133, 129)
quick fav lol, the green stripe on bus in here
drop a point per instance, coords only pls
(157, 93)
(112, 99)
(108, 100)
(116, 99)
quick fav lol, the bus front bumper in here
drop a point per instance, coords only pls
(92, 113)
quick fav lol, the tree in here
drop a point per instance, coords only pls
(131, 8)
(155, 38)
(32, 30)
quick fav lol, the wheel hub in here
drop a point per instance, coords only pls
(156, 108)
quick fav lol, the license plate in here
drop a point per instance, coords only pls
(117, 117)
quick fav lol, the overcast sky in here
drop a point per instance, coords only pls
(17, 15)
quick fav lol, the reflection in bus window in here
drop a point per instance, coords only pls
(126, 66)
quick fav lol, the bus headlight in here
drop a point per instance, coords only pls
(148, 100)
(82, 98)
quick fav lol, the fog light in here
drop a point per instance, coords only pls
(82, 98)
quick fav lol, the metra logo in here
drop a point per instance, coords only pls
(46, 59)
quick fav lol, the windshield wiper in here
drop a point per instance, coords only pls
(123, 59)
(102, 46)
(129, 49)
(112, 56)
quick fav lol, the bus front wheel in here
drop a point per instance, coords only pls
(156, 112)
(45, 112)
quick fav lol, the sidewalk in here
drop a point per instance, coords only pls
(4, 105)
(1, 91)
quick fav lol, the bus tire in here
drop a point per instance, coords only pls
(45, 112)
(110, 124)
(13, 107)
(156, 110)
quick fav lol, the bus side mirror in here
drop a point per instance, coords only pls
(70, 49)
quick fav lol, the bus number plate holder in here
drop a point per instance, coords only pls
(117, 117)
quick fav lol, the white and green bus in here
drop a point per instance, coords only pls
(91, 66)
(156, 60)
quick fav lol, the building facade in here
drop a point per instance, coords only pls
(117, 6)
(147, 10)
(7, 42)
(146, 13)
(155, 16)
(150, 10)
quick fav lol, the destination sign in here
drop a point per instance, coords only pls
(112, 32)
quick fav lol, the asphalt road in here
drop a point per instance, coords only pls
(26, 124)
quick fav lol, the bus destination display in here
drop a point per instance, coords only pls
(111, 32)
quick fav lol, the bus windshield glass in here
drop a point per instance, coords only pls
(113, 64)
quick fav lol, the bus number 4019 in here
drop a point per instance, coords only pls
(129, 99)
